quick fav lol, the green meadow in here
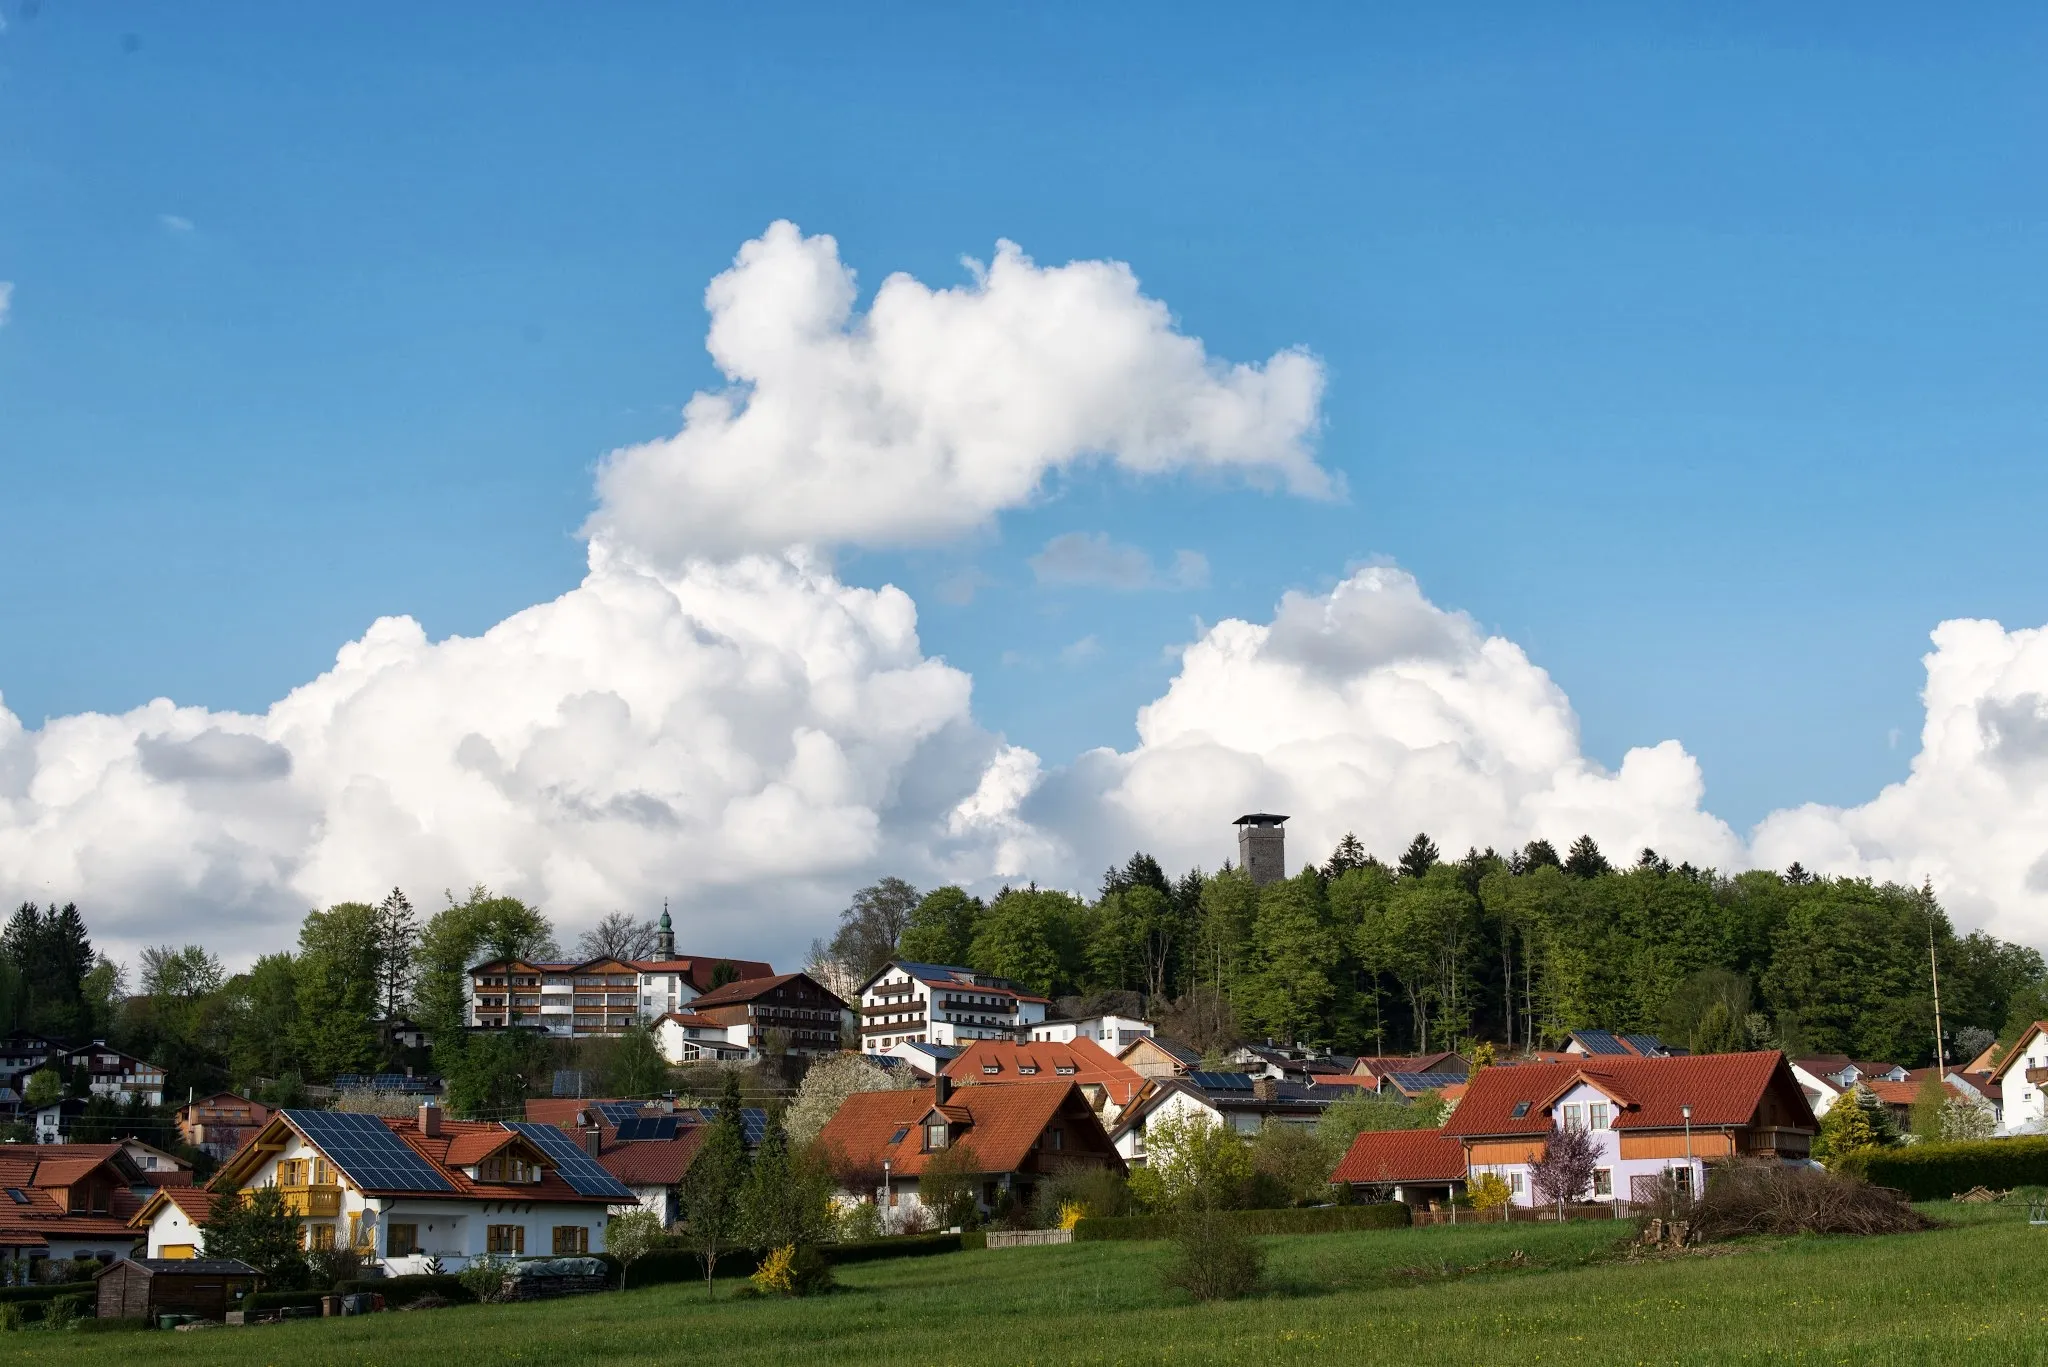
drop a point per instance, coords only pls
(1965, 1293)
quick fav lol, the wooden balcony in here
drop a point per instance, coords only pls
(2037, 1076)
(312, 1202)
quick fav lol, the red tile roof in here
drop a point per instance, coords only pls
(1892, 1093)
(196, 1202)
(1002, 1124)
(654, 1162)
(1402, 1156)
(33, 1170)
(698, 970)
(1087, 1062)
(1722, 1089)
(471, 1147)
(1379, 1065)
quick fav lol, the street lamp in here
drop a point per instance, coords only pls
(1686, 1111)
(885, 1185)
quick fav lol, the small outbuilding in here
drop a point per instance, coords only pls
(138, 1288)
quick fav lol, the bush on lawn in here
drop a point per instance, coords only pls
(1314, 1220)
(1215, 1259)
(1931, 1172)
(1772, 1198)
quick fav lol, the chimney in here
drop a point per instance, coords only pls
(943, 1089)
(593, 1140)
(430, 1120)
(1265, 1089)
(1262, 847)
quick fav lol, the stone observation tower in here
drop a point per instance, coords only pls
(1262, 847)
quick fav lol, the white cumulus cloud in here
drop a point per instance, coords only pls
(6, 300)
(747, 738)
(1368, 709)
(938, 408)
(1972, 814)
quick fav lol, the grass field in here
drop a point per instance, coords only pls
(1520, 1294)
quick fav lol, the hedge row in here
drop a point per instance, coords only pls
(1314, 1220)
(279, 1300)
(1929, 1172)
(48, 1292)
(401, 1291)
(898, 1246)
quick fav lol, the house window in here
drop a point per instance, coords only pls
(935, 1135)
(572, 1239)
(401, 1240)
(1683, 1177)
(1059, 1137)
(1521, 1109)
(1596, 1115)
(506, 1239)
(1603, 1181)
(362, 1232)
(1574, 1116)
(318, 1237)
(1515, 1183)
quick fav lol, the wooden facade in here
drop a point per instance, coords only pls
(1491, 1152)
(1675, 1144)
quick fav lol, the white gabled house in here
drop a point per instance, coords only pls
(406, 1191)
(2022, 1078)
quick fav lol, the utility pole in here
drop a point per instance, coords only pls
(1934, 973)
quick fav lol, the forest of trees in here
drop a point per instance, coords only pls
(1359, 955)
(1356, 955)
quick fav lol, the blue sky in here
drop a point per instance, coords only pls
(1702, 355)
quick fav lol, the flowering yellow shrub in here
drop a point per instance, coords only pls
(773, 1278)
(1072, 1213)
(1489, 1191)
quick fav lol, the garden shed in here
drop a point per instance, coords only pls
(136, 1288)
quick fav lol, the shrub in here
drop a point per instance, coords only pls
(1489, 1191)
(1775, 1198)
(1930, 1172)
(484, 1278)
(1192, 1163)
(62, 1310)
(1096, 1190)
(1292, 1163)
(793, 1270)
(860, 1222)
(400, 1293)
(1214, 1260)
(898, 1246)
(333, 1266)
(946, 1186)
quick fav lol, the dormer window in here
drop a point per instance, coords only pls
(1028, 1069)
(991, 1068)
(1521, 1109)
(1064, 1069)
(935, 1135)
(508, 1169)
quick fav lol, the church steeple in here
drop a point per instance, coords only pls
(664, 935)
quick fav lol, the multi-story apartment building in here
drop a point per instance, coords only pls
(942, 1004)
(598, 996)
(111, 1073)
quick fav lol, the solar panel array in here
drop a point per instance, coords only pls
(1599, 1041)
(576, 1167)
(1646, 1045)
(617, 1112)
(1222, 1082)
(1425, 1082)
(365, 1149)
(646, 1127)
(753, 1121)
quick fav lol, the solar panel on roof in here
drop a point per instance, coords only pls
(618, 1112)
(1425, 1082)
(575, 1166)
(753, 1122)
(1645, 1044)
(1222, 1082)
(1599, 1041)
(366, 1150)
(647, 1127)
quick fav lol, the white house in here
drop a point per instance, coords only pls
(1824, 1078)
(1651, 1119)
(686, 1037)
(170, 1222)
(2023, 1083)
(404, 1191)
(1112, 1032)
(1237, 1100)
(942, 1004)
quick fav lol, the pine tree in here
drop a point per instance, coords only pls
(1420, 857)
(1585, 859)
(398, 938)
(711, 1188)
(1349, 854)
